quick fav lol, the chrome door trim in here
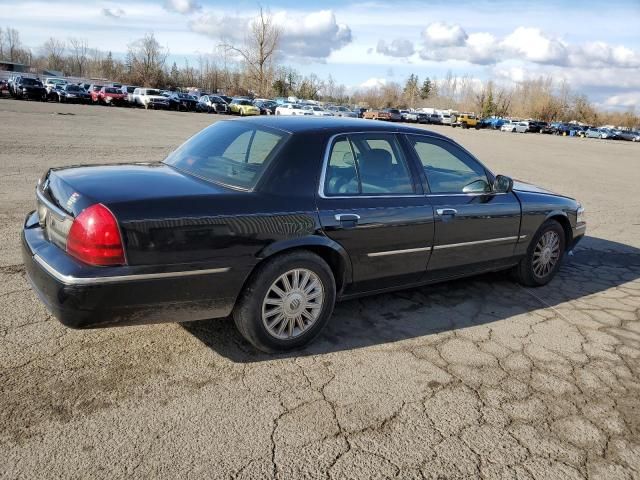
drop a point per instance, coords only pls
(71, 280)
(339, 217)
(477, 242)
(398, 252)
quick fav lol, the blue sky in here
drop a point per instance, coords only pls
(595, 46)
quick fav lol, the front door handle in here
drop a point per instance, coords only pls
(348, 220)
(446, 211)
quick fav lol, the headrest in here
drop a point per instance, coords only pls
(376, 161)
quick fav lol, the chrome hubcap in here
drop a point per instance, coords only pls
(546, 254)
(293, 303)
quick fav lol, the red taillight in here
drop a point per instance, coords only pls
(94, 237)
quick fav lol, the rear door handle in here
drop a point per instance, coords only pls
(446, 211)
(347, 219)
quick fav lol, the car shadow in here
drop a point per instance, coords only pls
(596, 266)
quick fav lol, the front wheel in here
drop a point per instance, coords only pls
(286, 302)
(543, 257)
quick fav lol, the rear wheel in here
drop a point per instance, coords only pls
(543, 257)
(287, 302)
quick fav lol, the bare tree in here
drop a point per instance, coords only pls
(79, 50)
(53, 49)
(147, 59)
(13, 49)
(1, 43)
(258, 51)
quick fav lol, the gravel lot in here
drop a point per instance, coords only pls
(479, 378)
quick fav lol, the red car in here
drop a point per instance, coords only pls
(109, 96)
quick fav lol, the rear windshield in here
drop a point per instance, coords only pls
(112, 90)
(228, 152)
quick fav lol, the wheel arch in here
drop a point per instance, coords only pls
(562, 218)
(330, 251)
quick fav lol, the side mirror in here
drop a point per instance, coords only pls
(502, 184)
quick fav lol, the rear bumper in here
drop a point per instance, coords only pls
(81, 296)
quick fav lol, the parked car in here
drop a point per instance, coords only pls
(181, 101)
(341, 111)
(212, 104)
(409, 117)
(466, 120)
(29, 88)
(536, 126)
(376, 115)
(359, 111)
(519, 127)
(4, 86)
(266, 107)
(422, 117)
(394, 114)
(291, 109)
(446, 119)
(150, 98)
(50, 83)
(128, 91)
(225, 226)
(94, 88)
(609, 134)
(318, 111)
(109, 96)
(243, 107)
(434, 118)
(629, 135)
(69, 93)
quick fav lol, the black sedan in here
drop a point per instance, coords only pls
(181, 101)
(273, 219)
(70, 93)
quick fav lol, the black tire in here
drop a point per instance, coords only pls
(524, 271)
(247, 314)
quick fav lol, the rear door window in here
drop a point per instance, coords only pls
(367, 164)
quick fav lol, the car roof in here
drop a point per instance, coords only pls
(332, 125)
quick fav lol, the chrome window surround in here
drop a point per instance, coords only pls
(71, 280)
(327, 154)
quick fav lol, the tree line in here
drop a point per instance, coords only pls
(254, 67)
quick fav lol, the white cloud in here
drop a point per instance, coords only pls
(182, 6)
(397, 48)
(373, 83)
(534, 45)
(623, 101)
(112, 12)
(440, 34)
(313, 35)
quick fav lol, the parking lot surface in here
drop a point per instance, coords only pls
(480, 378)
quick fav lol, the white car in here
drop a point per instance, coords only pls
(317, 111)
(149, 98)
(519, 127)
(51, 83)
(292, 109)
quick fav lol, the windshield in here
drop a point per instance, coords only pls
(111, 90)
(29, 81)
(153, 92)
(73, 88)
(228, 152)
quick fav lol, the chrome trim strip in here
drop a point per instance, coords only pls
(70, 280)
(522, 237)
(477, 242)
(398, 252)
(581, 227)
(54, 208)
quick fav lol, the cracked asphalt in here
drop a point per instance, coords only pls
(478, 378)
